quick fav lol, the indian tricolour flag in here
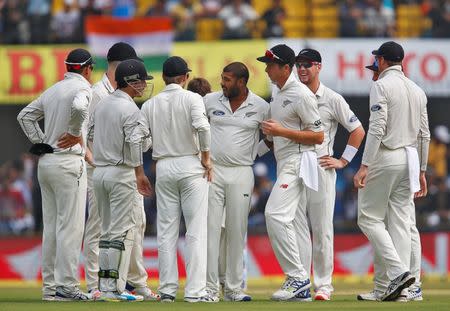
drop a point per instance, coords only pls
(152, 38)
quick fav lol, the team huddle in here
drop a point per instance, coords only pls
(204, 144)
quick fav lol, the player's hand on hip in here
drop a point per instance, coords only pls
(143, 185)
(330, 162)
(67, 140)
(423, 186)
(359, 180)
(271, 127)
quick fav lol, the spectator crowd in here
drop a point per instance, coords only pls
(62, 21)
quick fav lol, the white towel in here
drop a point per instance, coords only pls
(308, 170)
(414, 168)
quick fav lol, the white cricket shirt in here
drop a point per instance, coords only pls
(64, 108)
(174, 117)
(294, 106)
(333, 110)
(235, 136)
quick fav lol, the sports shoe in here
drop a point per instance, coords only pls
(206, 298)
(291, 287)
(236, 295)
(95, 294)
(147, 293)
(415, 294)
(322, 295)
(116, 297)
(303, 296)
(395, 287)
(131, 297)
(166, 298)
(77, 295)
(403, 297)
(374, 295)
(48, 298)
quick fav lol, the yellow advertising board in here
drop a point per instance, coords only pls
(26, 71)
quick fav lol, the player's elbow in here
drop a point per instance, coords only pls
(318, 138)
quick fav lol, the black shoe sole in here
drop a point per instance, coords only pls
(396, 293)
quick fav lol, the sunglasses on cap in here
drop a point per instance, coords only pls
(306, 65)
(272, 55)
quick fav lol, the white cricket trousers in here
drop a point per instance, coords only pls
(181, 189)
(387, 195)
(91, 235)
(62, 178)
(319, 215)
(380, 279)
(288, 194)
(115, 191)
(137, 275)
(229, 193)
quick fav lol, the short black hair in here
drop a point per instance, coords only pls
(239, 70)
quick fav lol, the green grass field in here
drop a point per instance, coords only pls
(27, 297)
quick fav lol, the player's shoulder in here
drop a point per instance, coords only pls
(212, 98)
(334, 97)
(258, 101)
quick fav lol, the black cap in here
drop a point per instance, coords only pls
(391, 51)
(131, 70)
(175, 66)
(309, 55)
(280, 53)
(79, 57)
(374, 66)
(121, 51)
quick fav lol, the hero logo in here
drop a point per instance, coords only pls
(218, 113)
(375, 108)
(317, 123)
(353, 119)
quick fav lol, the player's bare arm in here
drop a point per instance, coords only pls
(206, 163)
(273, 128)
(143, 184)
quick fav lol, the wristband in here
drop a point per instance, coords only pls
(349, 153)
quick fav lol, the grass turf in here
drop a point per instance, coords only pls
(26, 297)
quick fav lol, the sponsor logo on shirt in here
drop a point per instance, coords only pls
(285, 103)
(353, 118)
(317, 123)
(218, 113)
(246, 195)
(375, 107)
(284, 186)
(249, 114)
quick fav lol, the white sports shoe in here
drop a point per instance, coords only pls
(403, 297)
(48, 298)
(396, 286)
(206, 298)
(237, 295)
(322, 295)
(290, 288)
(64, 295)
(147, 293)
(374, 295)
(415, 294)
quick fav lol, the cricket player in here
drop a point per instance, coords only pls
(119, 137)
(62, 173)
(381, 281)
(235, 116)
(181, 139)
(393, 166)
(319, 211)
(296, 128)
(137, 275)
